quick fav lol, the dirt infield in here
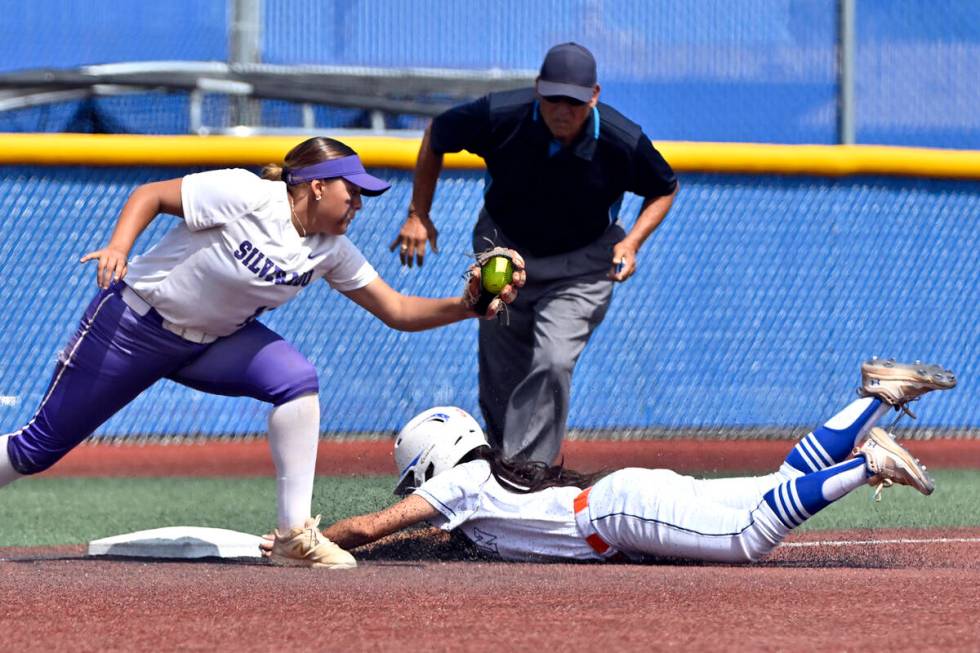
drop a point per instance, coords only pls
(827, 596)
(853, 590)
(251, 458)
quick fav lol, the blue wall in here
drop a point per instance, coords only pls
(56, 33)
(748, 70)
(753, 305)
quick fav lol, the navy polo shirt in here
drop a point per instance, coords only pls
(546, 198)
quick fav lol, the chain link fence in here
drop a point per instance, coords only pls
(749, 315)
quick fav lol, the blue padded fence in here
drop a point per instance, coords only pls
(752, 307)
(751, 70)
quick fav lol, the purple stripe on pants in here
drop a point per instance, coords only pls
(116, 354)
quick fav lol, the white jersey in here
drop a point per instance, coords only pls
(514, 526)
(637, 512)
(236, 254)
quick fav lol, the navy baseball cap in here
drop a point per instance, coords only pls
(568, 71)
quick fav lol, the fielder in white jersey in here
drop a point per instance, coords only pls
(186, 310)
(529, 511)
(233, 211)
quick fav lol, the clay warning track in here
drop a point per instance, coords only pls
(352, 457)
(815, 596)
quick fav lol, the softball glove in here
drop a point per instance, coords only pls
(478, 299)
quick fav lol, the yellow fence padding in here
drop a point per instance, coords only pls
(395, 152)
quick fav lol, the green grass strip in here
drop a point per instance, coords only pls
(953, 504)
(52, 511)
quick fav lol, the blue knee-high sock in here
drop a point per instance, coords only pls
(796, 500)
(833, 442)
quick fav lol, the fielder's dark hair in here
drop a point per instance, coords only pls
(527, 476)
(309, 152)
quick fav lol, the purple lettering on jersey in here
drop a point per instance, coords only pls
(250, 255)
(243, 248)
(254, 265)
(266, 269)
(268, 265)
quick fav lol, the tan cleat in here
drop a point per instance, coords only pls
(890, 463)
(308, 547)
(899, 383)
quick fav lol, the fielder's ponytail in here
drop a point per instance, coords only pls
(272, 172)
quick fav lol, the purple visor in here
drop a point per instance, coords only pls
(346, 167)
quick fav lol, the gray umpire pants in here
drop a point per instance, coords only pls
(527, 357)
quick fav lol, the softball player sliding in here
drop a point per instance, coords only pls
(186, 310)
(529, 511)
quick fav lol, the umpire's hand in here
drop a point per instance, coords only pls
(412, 238)
(623, 261)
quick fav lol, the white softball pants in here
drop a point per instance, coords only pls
(658, 512)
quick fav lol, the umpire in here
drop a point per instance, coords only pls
(558, 162)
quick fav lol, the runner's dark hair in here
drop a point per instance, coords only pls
(527, 476)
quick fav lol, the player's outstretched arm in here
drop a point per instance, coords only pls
(411, 313)
(407, 312)
(364, 529)
(143, 205)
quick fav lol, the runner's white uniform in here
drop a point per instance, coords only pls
(212, 272)
(501, 522)
(636, 511)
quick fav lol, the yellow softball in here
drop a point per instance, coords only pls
(496, 273)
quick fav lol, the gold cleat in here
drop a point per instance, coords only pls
(890, 463)
(308, 547)
(899, 383)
